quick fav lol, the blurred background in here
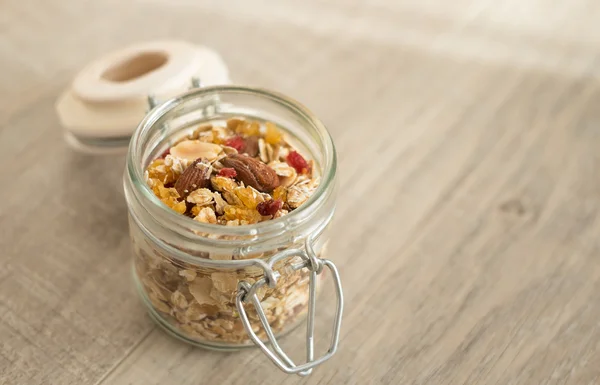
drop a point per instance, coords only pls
(466, 228)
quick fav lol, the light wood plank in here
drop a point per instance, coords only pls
(466, 231)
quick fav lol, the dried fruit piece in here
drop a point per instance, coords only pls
(227, 172)
(165, 193)
(252, 129)
(169, 196)
(280, 193)
(236, 142)
(220, 134)
(251, 146)
(249, 196)
(155, 163)
(298, 162)
(232, 198)
(159, 170)
(269, 207)
(179, 207)
(248, 128)
(234, 123)
(272, 134)
(247, 163)
(232, 213)
(194, 149)
(252, 172)
(196, 210)
(222, 184)
(196, 176)
(165, 153)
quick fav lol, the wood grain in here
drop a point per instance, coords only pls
(466, 230)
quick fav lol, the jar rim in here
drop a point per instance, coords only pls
(135, 169)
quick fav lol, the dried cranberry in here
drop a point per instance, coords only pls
(228, 172)
(269, 207)
(236, 142)
(164, 154)
(298, 162)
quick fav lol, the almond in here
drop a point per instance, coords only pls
(196, 176)
(194, 149)
(252, 172)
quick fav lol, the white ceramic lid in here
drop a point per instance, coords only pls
(108, 98)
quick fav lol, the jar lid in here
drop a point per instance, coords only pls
(109, 97)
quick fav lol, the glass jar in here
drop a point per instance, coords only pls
(227, 287)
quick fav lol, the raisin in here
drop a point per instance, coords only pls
(272, 134)
(298, 162)
(280, 193)
(248, 196)
(233, 123)
(248, 128)
(269, 207)
(241, 213)
(236, 142)
(228, 172)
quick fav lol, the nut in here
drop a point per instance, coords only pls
(252, 172)
(196, 176)
(194, 149)
(251, 146)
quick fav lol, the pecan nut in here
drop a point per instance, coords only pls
(252, 172)
(195, 176)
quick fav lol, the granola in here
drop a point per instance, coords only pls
(241, 164)
(199, 302)
(236, 173)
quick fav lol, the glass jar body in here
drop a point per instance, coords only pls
(188, 274)
(196, 302)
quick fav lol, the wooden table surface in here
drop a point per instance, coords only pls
(467, 223)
